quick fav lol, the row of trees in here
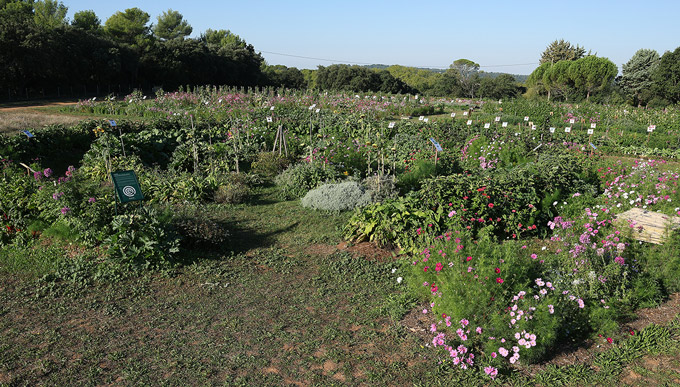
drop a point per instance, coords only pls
(40, 49)
(566, 71)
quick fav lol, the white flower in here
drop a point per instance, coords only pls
(394, 270)
(399, 279)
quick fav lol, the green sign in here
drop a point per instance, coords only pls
(127, 186)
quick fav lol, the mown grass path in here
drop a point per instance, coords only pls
(261, 311)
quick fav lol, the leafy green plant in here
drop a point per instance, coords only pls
(143, 238)
(295, 181)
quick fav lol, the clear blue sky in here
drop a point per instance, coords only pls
(423, 33)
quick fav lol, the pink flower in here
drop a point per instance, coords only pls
(491, 371)
(534, 256)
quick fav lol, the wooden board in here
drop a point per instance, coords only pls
(648, 226)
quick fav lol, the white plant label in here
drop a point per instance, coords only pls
(271, 108)
(504, 124)
(552, 130)
(593, 125)
(426, 120)
(269, 119)
(318, 110)
(651, 128)
(469, 122)
(526, 118)
(591, 131)
(571, 121)
(487, 125)
(533, 127)
(391, 125)
(567, 129)
(453, 115)
(498, 119)
(465, 113)
(421, 118)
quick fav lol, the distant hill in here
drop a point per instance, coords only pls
(518, 77)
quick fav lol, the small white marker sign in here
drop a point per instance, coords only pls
(465, 113)
(271, 108)
(651, 128)
(391, 125)
(426, 120)
(269, 119)
(504, 124)
(318, 110)
(487, 125)
(498, 119)
(593, 125)
(469, 122)
(526, 118)
(591, 131)
(453, 115)
(533, 127)
(552, 130)
(421, 118)
(567, 129)
(571, 121)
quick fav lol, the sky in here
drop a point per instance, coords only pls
(501, 35)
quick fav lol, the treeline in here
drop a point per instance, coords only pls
(40, 50)
(566, 72)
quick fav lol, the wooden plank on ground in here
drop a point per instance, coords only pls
(648, 226)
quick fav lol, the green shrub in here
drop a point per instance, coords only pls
(337, 197)
(411, 180)
(197, 227)
(295, 181)
(381, 187)
(269, 164)
(236, 189)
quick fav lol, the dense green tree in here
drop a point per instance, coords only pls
(358, 78)
(86, 20)
(420, 80)
(636, 78)
(49, 14)
(667, 76)
(222, 38)
(503, 86)
(128, 27)
(23, 6)
(535, 79)
(556, 79)
(561, 50)
(467, 73)
(171, 25)
(282, 76)
(591, 73)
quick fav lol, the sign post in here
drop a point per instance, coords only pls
(120, 134)
(127, 188)
(437, 149)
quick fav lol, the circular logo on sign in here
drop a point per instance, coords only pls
(129, 191)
